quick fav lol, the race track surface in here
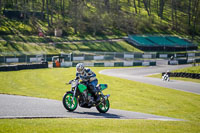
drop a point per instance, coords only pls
(139, 73)
(13, 106)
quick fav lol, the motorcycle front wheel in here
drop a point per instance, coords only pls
(104, 106)
(68, 103)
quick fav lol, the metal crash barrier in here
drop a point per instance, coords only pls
(24, 66)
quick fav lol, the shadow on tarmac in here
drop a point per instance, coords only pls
(104, 115)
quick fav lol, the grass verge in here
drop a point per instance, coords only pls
(96, 125)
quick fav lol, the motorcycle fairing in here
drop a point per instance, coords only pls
(103, 86)
(82, 88)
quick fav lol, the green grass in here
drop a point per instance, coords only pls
(21, 37)
(125, 95)
(95, 125)
(120, 46)
(11, 26)
(10, 47)
(194, 69)
(37, 39)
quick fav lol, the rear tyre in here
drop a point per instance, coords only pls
(104, 106)
(68, 103)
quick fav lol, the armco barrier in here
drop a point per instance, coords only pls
(24, 66)
(152, 64)
(197, 60)
(183, 75)
(197, 54)
(99, 64)
(137, 63)
(93, 56)
(179, 62)
(172, 62)
(111, 64)
(183, 61)
(118, 64)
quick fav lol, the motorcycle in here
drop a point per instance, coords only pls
(165, 77)
(80, 94)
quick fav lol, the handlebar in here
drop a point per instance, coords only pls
(71, 81)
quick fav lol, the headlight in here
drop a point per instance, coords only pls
(74, 83)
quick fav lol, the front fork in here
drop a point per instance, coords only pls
(105, 97)
(74, 93)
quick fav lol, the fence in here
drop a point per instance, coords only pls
(183, 61)
(89, 56)
(76, 56)
(110, 64)
(25, 58)
(81, 56)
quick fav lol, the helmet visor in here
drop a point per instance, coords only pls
(79, 70)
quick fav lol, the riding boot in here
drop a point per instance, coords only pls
(95, 93)
(97, 97)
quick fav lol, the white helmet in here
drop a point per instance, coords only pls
(80, 67)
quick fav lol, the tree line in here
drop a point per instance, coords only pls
(114, 16)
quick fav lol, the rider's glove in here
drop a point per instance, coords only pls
(86, 77)
(76, 78)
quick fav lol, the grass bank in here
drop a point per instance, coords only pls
(34, 48)
(46, 39)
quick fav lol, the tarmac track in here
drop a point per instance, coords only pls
(13, 106)
(139, 73)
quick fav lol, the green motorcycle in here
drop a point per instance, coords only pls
(80, 94)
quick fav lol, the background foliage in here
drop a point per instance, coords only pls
(108, 17)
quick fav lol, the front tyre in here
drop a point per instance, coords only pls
(68, 103)
(104, 106)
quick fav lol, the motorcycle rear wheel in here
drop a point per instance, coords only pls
(104, 106)
(68, 103)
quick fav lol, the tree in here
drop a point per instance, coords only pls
(107, 5)
(175, 11)
(134, 5)
(0, 7)
(43, 4)
(75, 16)
(195, 16)
(189, 12)
(172, 12)
(62, 7)
(111, 16)
(161, 8)
(147, 6)
(47, 10)
(139, 5)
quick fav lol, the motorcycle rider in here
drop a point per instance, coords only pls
(86, 75)
(166, 76)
